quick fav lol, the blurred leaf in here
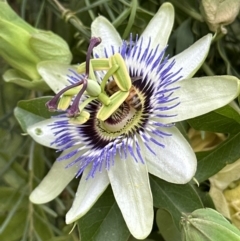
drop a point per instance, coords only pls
(13, 175)
(42, 226)
(15, 228)
(62, 238)
(166, 226)
(185, 36)
(229, 68)
(104, 221)
(9, 197)
(175, 198)
(38, 160)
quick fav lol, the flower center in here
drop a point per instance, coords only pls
(128, 119)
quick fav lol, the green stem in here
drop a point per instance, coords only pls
(69, 16)
(206, 68)
(191, 13)
(30, 186)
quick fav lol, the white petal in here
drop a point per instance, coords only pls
(159, 28)
(102, 28)
(199, 96)
(176, 162)
(42, 133)
(130, 184)
(55, 74)
(54, 182)
(191, 59)
(87, 194)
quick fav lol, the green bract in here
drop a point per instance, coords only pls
(23, 47)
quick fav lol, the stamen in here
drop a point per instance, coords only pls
(74, 109)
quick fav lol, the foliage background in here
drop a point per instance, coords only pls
(23, 163)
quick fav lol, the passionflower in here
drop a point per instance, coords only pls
(138, 137)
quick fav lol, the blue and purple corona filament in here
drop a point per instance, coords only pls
(97, 142)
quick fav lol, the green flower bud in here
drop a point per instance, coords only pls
(207, 224)
(23, 47)
(49, 46)
(219, 13)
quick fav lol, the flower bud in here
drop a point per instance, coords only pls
(207, 224)
(23, 47)
(219, 13)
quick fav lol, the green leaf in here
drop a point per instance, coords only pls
(29, 112)
(175, 198)
(229, 112)
(104, 221)
(204, 195)
(224, 120)
(166, 226)
(15, 228)
(213, 161)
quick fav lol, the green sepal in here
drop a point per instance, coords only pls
(17, 77)
(115, 101)
(207, 224)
